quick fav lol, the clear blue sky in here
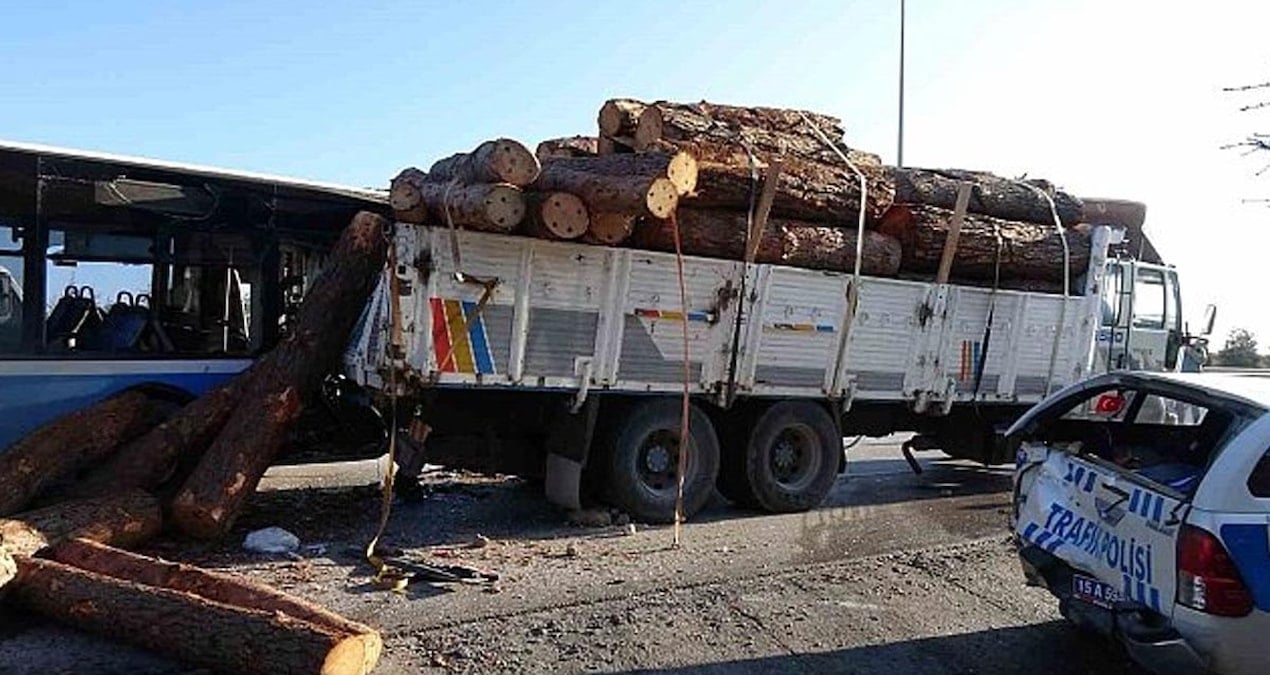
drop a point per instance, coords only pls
(1114, 99)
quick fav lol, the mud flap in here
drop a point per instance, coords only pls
(567, 449)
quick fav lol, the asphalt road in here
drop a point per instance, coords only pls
(895, 573)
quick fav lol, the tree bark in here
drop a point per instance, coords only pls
(498, 161)
(609, 229)
(991, 195)
(686, 121)
(569, 146)
(168, 451)
(722, 234)
(92, 556)
(230, 469)
(187, 627)
(679, 167)
(605, 190)
(497, 207)
(555, 215)
(71, 442)
(127, 519)
(806, 191)
(632, 122)
(403, 191)
(1027, 250)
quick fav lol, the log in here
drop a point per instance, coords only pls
(679, 167)
(609, 229)
(1028, 250)
(636, 122)
(992, 195)
(501, 160)
(230, 469)
(403, 191)
(806, 191)
(684, 121)
(71, 442)
(605, 190)
(95, 557)
(187, 627)
(498, 207)
(722, 234)
(126, 519)
(8, 567)
(166, 453)
(569, 146)
(555, 215)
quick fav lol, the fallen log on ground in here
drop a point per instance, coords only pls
(605, 191)
(990, 195)
(805, 190)
(721, 234)
(95, 557)
(232, 466)
(167, 452)
(568, 146)
(498, 161)
(126, 519)
(555, 215)
(71, 442)
(188, 627)
(1027, 250)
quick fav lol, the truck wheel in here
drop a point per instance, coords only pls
(642, 458)
(791, 460)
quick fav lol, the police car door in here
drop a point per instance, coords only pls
(1116, 530)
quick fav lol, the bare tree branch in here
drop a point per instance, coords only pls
(1248, 87)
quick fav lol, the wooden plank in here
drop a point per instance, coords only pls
(954, 232)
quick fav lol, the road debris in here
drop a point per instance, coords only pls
(271, 540)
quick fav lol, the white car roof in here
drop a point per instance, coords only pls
(1252, 387)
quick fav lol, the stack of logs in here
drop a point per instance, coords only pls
(115, 474)
(713, 170)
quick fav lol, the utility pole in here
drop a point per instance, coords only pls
(899, 152)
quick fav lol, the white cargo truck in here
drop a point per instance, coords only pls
(567, 361)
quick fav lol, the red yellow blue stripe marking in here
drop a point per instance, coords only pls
(669, 315)
(459, 340)
(803, 327)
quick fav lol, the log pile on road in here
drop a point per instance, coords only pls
(726, 174)
(114, 474)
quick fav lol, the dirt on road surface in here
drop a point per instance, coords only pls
(895, 573)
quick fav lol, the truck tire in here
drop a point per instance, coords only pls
(641, 459)
(792, 457)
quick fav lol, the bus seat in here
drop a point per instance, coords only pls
(124, 325)
(74, 317)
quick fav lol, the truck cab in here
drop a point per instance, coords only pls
(1141, 321)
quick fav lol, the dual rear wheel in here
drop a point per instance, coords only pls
(780, 458)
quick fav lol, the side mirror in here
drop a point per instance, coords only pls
(1210, 316)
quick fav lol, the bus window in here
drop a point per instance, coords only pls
(1148, 299)
(10, 291)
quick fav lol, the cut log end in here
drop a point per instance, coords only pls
(648, 128)
(354, 654)
(610, 229)
(403, 192)
(662, 198)
(8, 568)
(564, 215)
(513, 162)
(504, 207)
(682, 171)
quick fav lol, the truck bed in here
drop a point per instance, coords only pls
(542, 315)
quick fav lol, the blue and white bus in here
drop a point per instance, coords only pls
(118, 272)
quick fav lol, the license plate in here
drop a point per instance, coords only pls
(1094, 591)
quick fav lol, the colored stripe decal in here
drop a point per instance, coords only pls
(1089, 481)
(1158, 514)
(459, 341)
(1133, 501)
(441, 337)
(1155, 599)
(480, 344)
(669, 315)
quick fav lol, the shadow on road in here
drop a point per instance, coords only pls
(1054, 648)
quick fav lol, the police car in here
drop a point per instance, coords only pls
(1142, 502)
